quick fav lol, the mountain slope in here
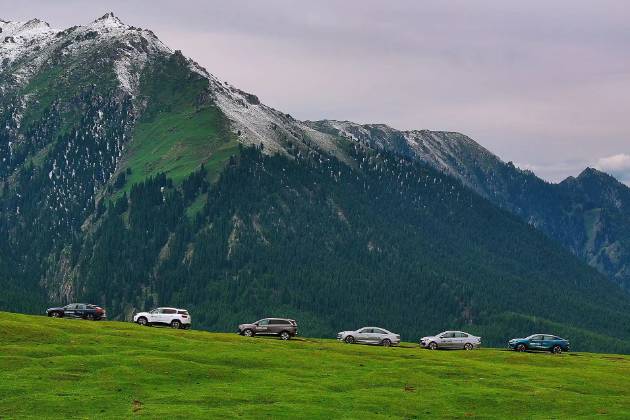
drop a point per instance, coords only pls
(49, 365)
(590, 222)
(132, 177)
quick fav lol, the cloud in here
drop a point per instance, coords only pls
(617, 165)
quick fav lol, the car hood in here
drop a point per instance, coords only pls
(55, 308)
(347, 332)
(241, 326)
(517, 339)
(429, 337)
(141, 313)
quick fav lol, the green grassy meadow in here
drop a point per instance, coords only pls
(58, 368)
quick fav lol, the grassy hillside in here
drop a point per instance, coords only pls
(79, 369)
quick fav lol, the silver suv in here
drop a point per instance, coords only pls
(451, 340)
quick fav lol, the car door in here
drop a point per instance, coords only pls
(377, 336)
(536, 342)
(548, 342)
(159, 317)
(69, 311)
(153, 316)
(363, 335)
(460, 340)
(274, 326)
(447, 340)
(79, 311)
(262, 327)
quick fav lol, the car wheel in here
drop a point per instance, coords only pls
(349, 339)
(386, 343)
(176, 324)
(142, 321)
(56, 315)
(468, 346)
(521, 347)
(248, 333)
(556, 349)
(433, 345)
(89, 317)
(285, 335)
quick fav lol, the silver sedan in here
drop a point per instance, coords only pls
(451, 340)
(370, 335)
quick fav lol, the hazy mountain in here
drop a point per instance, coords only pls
(132, 177)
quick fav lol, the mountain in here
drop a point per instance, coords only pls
(132, 177)
(588, 215)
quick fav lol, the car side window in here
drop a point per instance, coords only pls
(537, 337)
(379, 331)
(366, 330)
(263, 322)
(463, 335)
(170, 311)
(447, 335)
(550, 337)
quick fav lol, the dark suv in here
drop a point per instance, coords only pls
(283, 328)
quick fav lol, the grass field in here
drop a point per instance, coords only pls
(57, 368)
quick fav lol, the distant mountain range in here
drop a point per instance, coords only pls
(132, 177)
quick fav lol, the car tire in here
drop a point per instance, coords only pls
(142, 321)
(56, 314)
(556, 349)
(248, 333)
(176, 325)
(432, 345)
(468, 346)
(386, 343)
(89, 317)
(520, 347)
(284, 335)
(349, 340)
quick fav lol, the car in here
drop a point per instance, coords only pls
(540, 342)
(172, 317)
(78, 310)
(281, 327)
(370, 335)
(451, 340)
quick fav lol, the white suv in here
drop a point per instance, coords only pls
(173, 317)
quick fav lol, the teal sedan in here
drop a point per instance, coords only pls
(540, 342)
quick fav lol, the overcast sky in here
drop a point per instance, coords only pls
(545, 84)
